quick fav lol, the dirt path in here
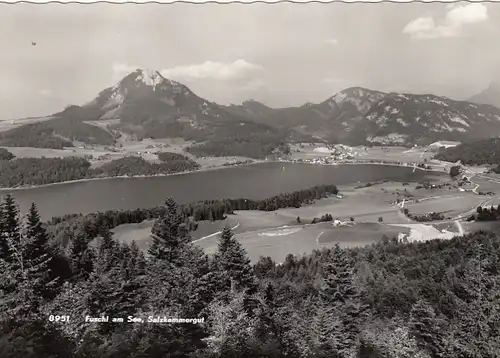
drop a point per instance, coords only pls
(317, 238)
(460, 228)
(215, 233)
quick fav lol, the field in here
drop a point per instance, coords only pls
(146, 149)
(278, 233)
(451, 205)
(394, 154)
(301, 239)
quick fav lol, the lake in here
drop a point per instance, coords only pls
(255, 181)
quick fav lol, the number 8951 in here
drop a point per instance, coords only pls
(53, 318)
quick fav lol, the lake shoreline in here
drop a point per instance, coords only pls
(219, 167)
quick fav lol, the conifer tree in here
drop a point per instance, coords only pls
(232, 331)
(38, 255)
(108, 253)
(425, 327)
(133, 261)
(324, 332)
(169, 236)
(339, 280)
(80, 255)
(10, 228)
(340, 292)
(232, 258)
(25, 274)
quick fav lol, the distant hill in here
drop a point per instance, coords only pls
(490, 95)
(332, 119)
(474, 153)
(251, 109)
(409, 119)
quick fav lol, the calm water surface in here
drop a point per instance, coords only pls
(253, 181)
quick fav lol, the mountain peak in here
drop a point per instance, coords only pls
(149, 77)
(491, 95)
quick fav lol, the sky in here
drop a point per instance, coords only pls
(281, 54)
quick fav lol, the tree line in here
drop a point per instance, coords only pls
(432, 216)
(39, 171)
(487, 214)
(392, 299)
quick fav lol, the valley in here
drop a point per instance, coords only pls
(375, 209)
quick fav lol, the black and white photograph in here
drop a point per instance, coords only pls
(250, 180)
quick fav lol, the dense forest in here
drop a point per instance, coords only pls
(256, 147)
(170, 157)
(55, 133)
(64, 229)
(392, 299)
(474, 153)
(130, 166)
(39, 171)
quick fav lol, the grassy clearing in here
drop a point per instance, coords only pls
(138, 232)
(394, 154)
(360, 234)
(481, 225)
(272, 242)
(279, 241)
(451, 204)
(487, 185)
(450, 226)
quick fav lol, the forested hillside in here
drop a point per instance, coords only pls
(474, 153)
(391, 299)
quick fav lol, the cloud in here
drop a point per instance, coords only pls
(229, 71)
(332, 41)
(239, 69)
(45, 93)
(453, 24)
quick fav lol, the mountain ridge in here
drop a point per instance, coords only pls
(147, 104)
